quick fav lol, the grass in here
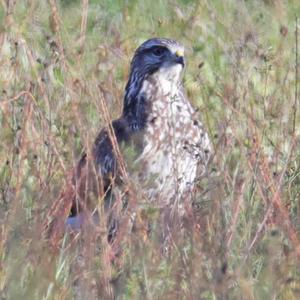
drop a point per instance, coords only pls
(241, 74)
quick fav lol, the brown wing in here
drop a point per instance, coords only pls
(89, 180)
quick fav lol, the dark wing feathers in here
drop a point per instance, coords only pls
(103, 162)
(103, 149)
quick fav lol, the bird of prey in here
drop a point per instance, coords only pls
(172, 145)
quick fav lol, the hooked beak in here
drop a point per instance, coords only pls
(179, 57)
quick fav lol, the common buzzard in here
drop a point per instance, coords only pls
(171, 144)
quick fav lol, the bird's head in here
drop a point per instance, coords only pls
(163, 59)
(159, 55)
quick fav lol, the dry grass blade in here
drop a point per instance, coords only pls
(64, 65)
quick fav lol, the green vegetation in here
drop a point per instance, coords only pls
(241, 74)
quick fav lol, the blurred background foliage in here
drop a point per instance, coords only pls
(241, 75)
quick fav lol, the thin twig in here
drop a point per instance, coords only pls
(296, 75)
(85, 6)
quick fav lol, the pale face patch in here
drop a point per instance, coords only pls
(169, 77)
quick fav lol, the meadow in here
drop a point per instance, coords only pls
(243, 72)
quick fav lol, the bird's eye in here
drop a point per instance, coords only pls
(159, 51)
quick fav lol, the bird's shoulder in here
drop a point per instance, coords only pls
(103, 145)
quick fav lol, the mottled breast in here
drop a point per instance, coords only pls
(175, 146)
